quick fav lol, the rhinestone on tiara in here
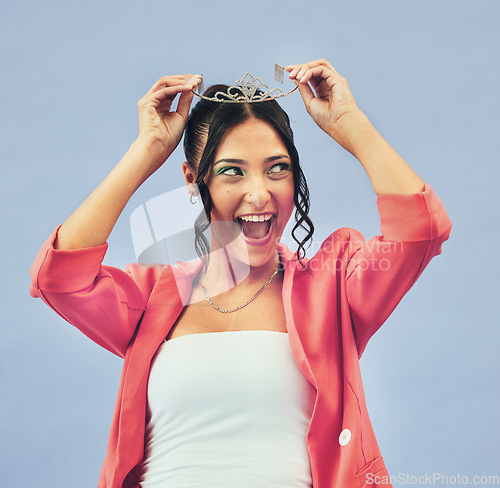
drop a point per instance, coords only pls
(249, 89)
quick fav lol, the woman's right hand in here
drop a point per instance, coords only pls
(160, 129)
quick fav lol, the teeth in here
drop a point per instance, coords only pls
(256, 218)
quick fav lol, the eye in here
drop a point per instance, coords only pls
(279, 168)
(230, 171)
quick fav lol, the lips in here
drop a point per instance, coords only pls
(256, 228)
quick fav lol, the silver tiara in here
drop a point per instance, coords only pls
(248, 89)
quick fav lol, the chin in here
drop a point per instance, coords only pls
(249, 251)
(257, 260)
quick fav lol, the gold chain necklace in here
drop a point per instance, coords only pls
(231, 310)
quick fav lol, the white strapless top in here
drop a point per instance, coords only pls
(227, 409)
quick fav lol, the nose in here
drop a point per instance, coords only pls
(257, 192)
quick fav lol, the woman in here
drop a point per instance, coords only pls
(279, 400)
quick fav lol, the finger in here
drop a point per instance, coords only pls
(301, 72)
(168, 93)
(306, 93)
(305, 71)
(317, 72)
(302, 68)
(163, 82)
(177, 81)
(184, 103)
(164, 107)
(173, 81)
(293, 72)
(186, 98)
(317, 62)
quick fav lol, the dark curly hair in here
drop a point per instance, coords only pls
(207, 124)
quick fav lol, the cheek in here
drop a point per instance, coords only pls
(290, 193)
(224, 202)
(286, 201)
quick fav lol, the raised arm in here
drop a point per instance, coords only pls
(106, 303)
(414, 223)
(330, 103)
(160, 130)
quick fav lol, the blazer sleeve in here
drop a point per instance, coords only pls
(380, 271)
(103, 302)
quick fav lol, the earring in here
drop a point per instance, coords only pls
(193, 193)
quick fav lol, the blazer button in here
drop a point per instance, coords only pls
(345, 437)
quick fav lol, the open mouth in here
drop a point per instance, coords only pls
(255, 226)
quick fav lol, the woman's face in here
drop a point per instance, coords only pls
(251, 186)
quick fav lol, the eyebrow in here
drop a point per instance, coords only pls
(242, 161)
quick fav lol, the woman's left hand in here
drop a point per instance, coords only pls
(326, 94)
(333, 108)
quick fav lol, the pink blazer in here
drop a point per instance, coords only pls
(333, 307)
